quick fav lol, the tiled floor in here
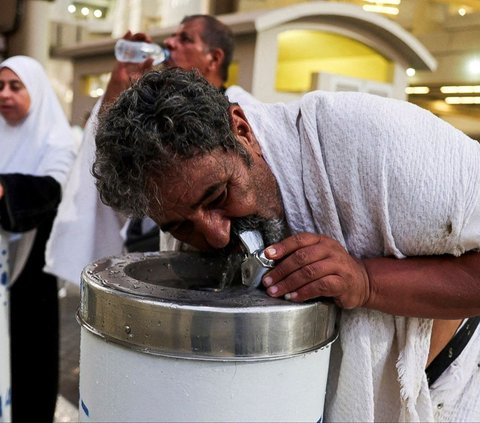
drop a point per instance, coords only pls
(67, 402)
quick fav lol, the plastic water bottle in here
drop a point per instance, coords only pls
(139, 51)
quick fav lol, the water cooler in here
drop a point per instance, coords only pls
(168, 337)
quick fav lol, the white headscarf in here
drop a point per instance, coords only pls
(43, 143)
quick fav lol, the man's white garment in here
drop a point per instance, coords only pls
(384, 178)
(85, 229)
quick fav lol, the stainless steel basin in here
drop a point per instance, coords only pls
(192, 305)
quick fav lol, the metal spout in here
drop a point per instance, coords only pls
(255, 264)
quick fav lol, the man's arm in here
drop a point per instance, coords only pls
(442, 287)
(311, 266)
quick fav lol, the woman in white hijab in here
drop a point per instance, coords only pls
(36, 153)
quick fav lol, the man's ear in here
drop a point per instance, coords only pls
(242, 129)
(217, 57)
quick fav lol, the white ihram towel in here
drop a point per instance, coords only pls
(384, 178)
(85, 229)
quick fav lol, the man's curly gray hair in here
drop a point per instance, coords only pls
(164, 117)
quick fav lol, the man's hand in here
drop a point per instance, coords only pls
(125, 73)
(311, 266)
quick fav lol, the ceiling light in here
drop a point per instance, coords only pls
(85, 11)
(462, 100)
(460, 89)
(96, 92)
(474, 66)
(380, 9)
(410, 72)
(97, 13)
(462, 11)
(71, 8)
(417, 90)
(383, 2)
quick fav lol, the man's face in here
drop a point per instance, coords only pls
(187, 48)
(14, 98)
(203, 197)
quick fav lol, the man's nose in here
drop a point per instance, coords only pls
(169, 42)
(215, 228)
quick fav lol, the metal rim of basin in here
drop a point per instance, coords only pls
(129, 300)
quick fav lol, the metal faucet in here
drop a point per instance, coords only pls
(255, 264)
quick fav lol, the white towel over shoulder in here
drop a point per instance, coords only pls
(383, 177)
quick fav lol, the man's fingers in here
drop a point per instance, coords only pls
(312, 266)
(316, 289)
(320, 275)
(305, 264)
(283, 248)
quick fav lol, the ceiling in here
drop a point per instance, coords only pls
(450, 30)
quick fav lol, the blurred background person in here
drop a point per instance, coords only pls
(36, 154)
(85, 229)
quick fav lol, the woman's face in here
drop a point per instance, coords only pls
(14, 98)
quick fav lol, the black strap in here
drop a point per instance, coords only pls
(452, 350)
